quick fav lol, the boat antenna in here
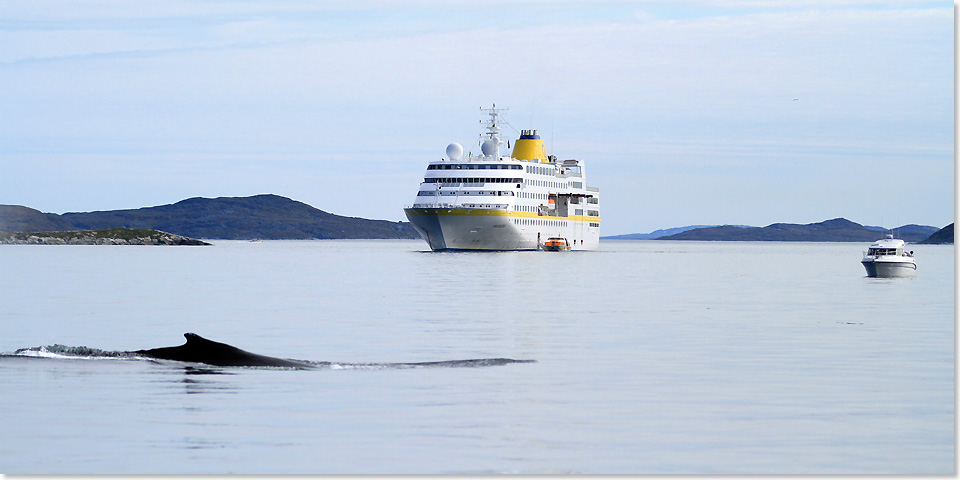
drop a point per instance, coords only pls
(491, 146)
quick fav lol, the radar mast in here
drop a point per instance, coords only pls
(491, 146)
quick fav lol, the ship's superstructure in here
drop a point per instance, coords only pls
(515, 202)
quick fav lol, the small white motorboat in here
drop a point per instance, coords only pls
(887, 258)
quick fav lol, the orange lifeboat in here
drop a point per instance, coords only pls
(556, 244)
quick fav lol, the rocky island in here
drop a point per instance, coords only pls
(110, 236)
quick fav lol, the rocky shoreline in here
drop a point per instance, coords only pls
(112, 236)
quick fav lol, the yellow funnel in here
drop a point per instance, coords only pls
(529, 147)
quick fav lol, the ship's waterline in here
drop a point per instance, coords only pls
(515, 202)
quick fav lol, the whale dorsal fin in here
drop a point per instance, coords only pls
(194, 340)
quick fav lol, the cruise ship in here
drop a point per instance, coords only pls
(498, 202)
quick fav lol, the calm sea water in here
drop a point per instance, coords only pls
(652, 357)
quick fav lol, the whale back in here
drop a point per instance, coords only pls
(200, 350)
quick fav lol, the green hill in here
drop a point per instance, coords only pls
(268, 217)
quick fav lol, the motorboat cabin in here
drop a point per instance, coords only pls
(888, 257)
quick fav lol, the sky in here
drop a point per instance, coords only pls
(699, 112)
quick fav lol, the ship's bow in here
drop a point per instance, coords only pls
(427, 223)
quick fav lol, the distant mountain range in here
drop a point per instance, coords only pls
(836, 230)
(662, 233)
(267, 217)
(272, 217)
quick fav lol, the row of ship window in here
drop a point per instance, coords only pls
(486, 166)
(517, 208)
(884, 251)
(506, 193)
(542, 223)
(534, 183)
(543, 183)
(472, 180)
(451, 193)
(577, 211)
(477, 205)
(540, 170)
(547, 223)
(474, 166)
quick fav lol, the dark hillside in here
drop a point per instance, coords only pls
(914, 230)
(268, 217)
(941, 237)
(14, 218)
(836, 230)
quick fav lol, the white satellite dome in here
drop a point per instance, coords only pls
(454, 151)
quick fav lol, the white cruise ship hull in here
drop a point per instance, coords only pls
(881, 267)
(479, 229)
